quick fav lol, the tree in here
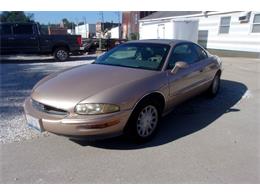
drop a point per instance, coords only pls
(67, 24)
(16, 16)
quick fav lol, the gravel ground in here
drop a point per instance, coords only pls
(18, 75)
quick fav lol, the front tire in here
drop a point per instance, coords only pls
(61, 54)
(143, 123)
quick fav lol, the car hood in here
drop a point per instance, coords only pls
(66, 89)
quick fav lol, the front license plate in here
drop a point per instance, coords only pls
(34, 123)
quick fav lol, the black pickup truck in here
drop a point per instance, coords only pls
(26, 38)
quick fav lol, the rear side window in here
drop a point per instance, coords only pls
(184, 52)
(23, 29)
(201, 53)
(5, 29)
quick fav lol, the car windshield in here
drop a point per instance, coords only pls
(136, 55)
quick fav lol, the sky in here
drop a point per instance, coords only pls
(45, 17)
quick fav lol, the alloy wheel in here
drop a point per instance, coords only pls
(62, 55)
(147, 121)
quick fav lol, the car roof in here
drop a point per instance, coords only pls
(161, 41)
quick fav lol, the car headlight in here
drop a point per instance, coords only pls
(88, 108)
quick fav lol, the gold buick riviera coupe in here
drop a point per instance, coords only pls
(126, 90)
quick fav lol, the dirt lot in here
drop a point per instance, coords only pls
(202, 141)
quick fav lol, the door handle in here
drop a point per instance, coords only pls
(10, 38)
(32, 38)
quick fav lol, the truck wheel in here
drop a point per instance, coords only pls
(61, 54)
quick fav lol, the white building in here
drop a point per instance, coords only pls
(113, 33)
(85, 30)
(228, 32)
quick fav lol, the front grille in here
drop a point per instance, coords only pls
(47, 109)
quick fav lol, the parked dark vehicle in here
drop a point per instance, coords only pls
(111, 43)
(91, 45)
(26, 38)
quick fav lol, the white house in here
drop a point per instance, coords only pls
(85, 30)
(232, 32)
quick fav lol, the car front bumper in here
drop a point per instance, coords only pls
(79, 125)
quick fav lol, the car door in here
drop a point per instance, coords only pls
(183, 83)
(6, 37)
(205, 64)
(25, 38)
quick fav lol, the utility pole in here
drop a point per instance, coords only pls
(77, 23)
(119, 24)
(85, 26)
(101, 29)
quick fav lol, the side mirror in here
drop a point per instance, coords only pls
(179, 65)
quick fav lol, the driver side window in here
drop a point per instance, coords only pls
(183, 52)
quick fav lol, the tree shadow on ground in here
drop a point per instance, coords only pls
(186, 119)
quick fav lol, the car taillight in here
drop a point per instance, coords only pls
(79, 40)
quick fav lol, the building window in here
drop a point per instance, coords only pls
(256, 24)
(224, 25)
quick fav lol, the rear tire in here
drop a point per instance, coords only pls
(214, 87)
(61, 54)
(142, 124)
